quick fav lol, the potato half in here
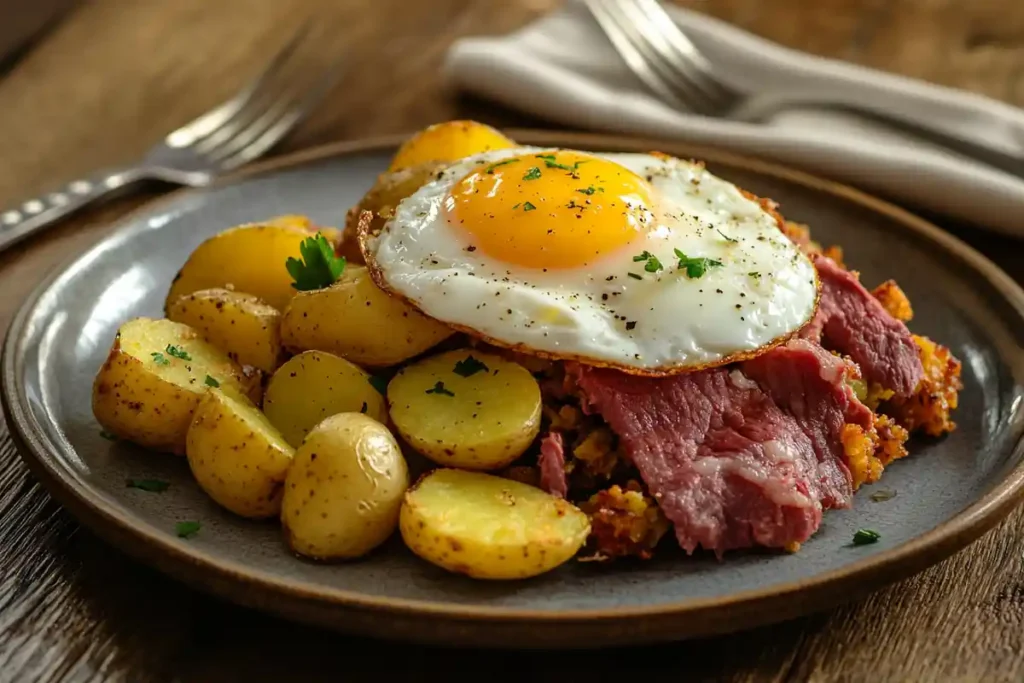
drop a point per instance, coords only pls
(236, 456)
(355, 319)
(489, 528)
(249, 259)
(448, 141)
(466, 409)
(243, 325)
(344, 489)
(313, 386)
(154, 377)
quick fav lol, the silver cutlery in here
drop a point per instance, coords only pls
(238, 131)
(662, 56)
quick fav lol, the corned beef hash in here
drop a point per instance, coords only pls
(596, 353)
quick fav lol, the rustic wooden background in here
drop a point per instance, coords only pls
(108, 81)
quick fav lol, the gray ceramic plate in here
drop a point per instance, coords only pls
(949, 491)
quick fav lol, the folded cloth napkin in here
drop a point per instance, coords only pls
(562, 68)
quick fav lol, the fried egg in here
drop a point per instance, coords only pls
(641, 262)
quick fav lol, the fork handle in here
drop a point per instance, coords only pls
(39, 213)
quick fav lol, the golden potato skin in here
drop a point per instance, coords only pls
(488, 527)
(242, 325)
(490, 419)
(236, 455)
(248, 258)
(344, 489)
(447, 142)
(355, 319)
(151, 404)
(315, 385)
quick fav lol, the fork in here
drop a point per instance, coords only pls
(661, 55)
(234, 133)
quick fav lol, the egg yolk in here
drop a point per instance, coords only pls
(557, 209)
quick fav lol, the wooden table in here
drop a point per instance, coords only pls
(107, 82)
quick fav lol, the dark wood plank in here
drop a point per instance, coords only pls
(110, 80)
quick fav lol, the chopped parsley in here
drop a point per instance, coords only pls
(159, 358)
(318, 267)
(634, 276)
(439, 389)
(651, 265)
(591, 190)
(151, 485)
(754, 274)
(177, 353)
(108, 436)
(187, 529)
(379, 383)
(532, 174)
(469, 366)
(695, 267)
(211, 382)
(490, 169)
(726, 237)
(866, 537)
(883, 495)
(549, 161)
(527, 206)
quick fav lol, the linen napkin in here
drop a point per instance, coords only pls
(562, 68)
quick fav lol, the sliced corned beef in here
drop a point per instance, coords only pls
(810, 383)
(551, 463)
(728, 467)
(852, 322)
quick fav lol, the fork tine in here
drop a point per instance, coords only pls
(259, 139)
(688, 53)
(206, 124)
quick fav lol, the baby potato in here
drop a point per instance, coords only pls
(449, 141)
(344, 489)
(314, 385)
(473, 410)
(355, 319)
(236, 455)
(248, 258)
(154, 377)
(489, 528)
(244, 326)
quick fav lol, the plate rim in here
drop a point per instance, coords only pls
(740, 610)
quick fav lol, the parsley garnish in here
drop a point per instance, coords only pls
(652, 265)
(634, 276)
(159, 358)
(379, 383)
(527, 206)
(695, 267)
(532, 174)
(726, 237)
(866, 537)
(187, 529)
(439, 389)
(318, 267)
(516, 206)
(490, 169)
(754, 274)
(883, 495)
(548, 157)
(177, 353)
(591, 190)
(151, 485)
(211, 382)
(469, 366)
(107, 435)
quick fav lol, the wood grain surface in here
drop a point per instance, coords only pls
(103, 85)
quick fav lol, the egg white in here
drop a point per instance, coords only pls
(665, 322)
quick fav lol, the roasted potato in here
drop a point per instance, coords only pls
(249, 259)
(154, 377)
(466, 409)
(236, 456)
(242, 325)
(344, 489)
(315, 385)
(354, 319)
(489, 528)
